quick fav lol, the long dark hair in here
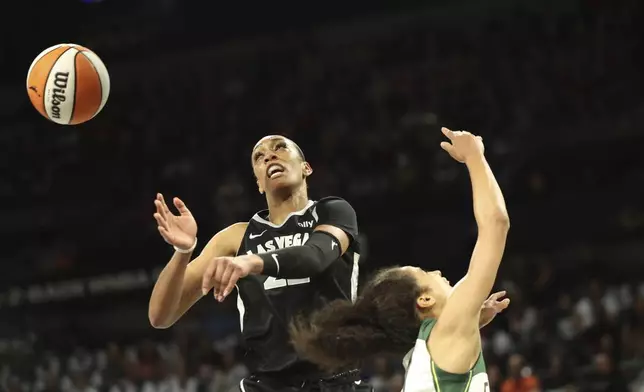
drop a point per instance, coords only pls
(383, 320)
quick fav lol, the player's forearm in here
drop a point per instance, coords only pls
(493, 224)
(167, 292)
(302, 261)
(489, 205)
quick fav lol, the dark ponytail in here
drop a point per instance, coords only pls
(382, 321)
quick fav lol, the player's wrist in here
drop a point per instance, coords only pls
(269, 264)
(256, 264)
(474, 160)
(186, 250)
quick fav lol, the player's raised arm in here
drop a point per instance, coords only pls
(178, 286)
(459, 320)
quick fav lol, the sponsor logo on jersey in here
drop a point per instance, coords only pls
(307, 224)
(253, 236)
(281, 242)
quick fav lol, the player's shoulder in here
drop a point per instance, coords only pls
(333, 206)
(239, 227)
(327, 199)
(233, 233)
(226, 241)
(332, 201)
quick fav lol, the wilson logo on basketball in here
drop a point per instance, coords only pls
(58, 96)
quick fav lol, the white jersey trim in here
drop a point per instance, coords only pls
(301, 212)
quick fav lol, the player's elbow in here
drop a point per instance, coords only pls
(159, 324)
(502, 221)
(318, 261)
(158, 320)
(315, 266)
(498, 222)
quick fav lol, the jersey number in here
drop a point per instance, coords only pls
(274, 283)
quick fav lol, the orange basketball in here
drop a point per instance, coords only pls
(68, 84)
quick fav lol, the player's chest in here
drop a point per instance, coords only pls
(264, 240)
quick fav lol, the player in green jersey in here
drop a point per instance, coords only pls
(405, 308)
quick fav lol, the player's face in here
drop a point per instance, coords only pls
(277, 164)
(436, 289)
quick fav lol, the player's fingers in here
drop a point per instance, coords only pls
(181, 206)
(497, 295)
(161, 221)
(501, 305)
(165, 234)
(232, 281)
(447, 147)
(223, 263)
(447, 132)
(223, 285)
(206, 280)
(166, 210)
(160, 209)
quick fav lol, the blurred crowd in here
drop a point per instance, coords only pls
(365, 104)
(556, 336)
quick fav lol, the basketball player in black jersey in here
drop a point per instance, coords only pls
(293, 258)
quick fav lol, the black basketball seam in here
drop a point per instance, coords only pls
(71, 117)
(44, 93)
(100, 83)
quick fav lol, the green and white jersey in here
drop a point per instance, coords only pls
(422, 374)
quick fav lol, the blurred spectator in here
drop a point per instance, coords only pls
(520, 377)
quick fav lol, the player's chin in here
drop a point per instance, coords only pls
(281, 183)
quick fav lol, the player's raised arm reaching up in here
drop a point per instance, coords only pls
(455, 341)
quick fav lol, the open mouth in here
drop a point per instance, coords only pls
(274, 170)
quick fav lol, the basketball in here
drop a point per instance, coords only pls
(68, 84)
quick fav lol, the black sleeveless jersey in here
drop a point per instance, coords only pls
(267, 304)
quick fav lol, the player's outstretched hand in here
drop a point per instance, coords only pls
(177, 230)
(462, 145)
(492, 306)
(222, 274)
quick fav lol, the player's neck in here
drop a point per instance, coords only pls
(280, 207)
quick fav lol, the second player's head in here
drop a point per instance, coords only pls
(279, 165)
(385, 319)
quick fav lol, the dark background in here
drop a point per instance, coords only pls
(554, 87)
